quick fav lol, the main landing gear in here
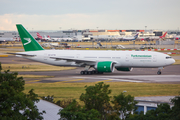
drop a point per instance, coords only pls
(86, 72)
(159, 70)
(90, 72)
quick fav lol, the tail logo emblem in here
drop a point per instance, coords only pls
(28, 41)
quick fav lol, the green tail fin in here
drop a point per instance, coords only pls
(29, 43)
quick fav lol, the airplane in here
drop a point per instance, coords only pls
(104, 37)
(39, 36)
(143, 38)
(176, 37)
(62, 39)
(130, 38)
(158, 37)
(102, 61)
(66, 39)
(46, 38)
(153, 37)
(5, 40)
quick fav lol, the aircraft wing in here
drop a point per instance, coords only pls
(80, 61)
(25, 55)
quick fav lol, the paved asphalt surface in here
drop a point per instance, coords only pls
(170, 74)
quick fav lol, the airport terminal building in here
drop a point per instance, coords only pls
(86, 34)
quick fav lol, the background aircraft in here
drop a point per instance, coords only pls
(104, 37)
(5, 40)
(130, 38)
(177, 37)
(62, 39)
(45, 38)
(153, 37)
(158, 37)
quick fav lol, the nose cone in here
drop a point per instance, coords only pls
(173, 61)
(170, 61)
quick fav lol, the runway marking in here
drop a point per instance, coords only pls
(123, 80)
(105, 80)
(33, 81)
(135, 78)
(144, 76)
(3, 55)
(69, 81)
(127, 80)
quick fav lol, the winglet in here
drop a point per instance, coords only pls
(29, 43)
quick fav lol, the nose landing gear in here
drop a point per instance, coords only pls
(159, 70)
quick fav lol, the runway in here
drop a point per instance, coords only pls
(171, 74)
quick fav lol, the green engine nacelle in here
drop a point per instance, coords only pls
(105, 66)
(124, 69)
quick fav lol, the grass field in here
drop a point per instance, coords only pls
(29, 67)
(74, 90)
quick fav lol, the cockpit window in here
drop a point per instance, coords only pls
(168, 57)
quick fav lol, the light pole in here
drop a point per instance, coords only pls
(97, 33)
(60, 30)
(60, 36)
(111, 42)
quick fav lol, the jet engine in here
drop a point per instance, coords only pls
(124, 68)
(105, 66)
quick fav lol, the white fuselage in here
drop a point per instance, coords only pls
(142, 59)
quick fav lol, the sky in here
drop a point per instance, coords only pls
(89, 14)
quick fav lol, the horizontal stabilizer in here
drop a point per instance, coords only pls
(26, 55)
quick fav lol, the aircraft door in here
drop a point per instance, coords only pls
(154, 58)
(127, 58)
(45, 56)
(77, 55)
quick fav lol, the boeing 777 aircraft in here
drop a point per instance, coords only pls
(101, 61)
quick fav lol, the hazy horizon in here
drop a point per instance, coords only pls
(38, 15)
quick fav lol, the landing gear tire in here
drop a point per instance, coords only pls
(90, 72)
(82, 72)
(100, 72)
(93, 72)
(159, 72)
(85, 72)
